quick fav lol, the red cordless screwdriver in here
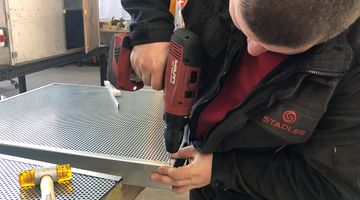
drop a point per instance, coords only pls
(181, 79)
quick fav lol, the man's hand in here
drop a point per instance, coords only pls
(195, 175)
(148, 61)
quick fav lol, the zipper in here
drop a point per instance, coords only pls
(323, 74)
(216, 91)
(205, 101)
(238, 52)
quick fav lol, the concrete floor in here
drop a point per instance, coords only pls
(86, 75)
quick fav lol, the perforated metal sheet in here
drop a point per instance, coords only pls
(83, 118)
(75, 119)
(80, 187)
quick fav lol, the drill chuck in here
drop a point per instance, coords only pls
(174, 131)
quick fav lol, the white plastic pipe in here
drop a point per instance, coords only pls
(47, 188)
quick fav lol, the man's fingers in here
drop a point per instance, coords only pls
(168, 180)
(186, 152)
(146, 78)
(176, 173)
(163, 170)
(157, 79)
(148, 61)
(134, 64)
(182, 189)
(161, 178)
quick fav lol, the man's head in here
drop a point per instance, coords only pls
(291, 26)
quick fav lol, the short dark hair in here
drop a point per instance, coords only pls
(293, 23)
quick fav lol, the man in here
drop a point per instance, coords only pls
(277, 115)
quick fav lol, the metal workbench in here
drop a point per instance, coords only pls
(81, 125)
(8, 72)
(84, 184)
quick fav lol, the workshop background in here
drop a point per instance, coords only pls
(86, 72)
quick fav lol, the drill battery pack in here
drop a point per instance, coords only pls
(119, 70)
